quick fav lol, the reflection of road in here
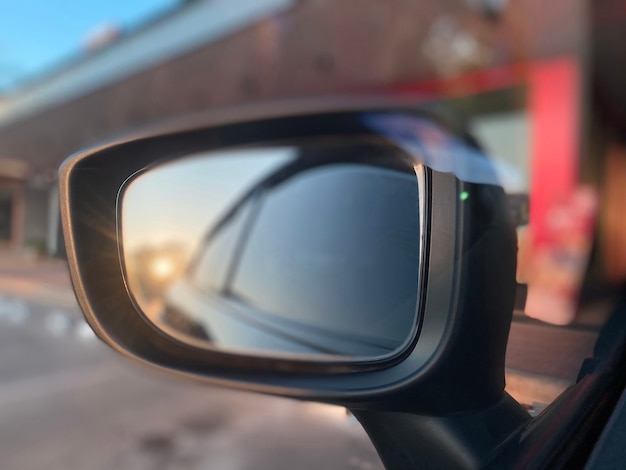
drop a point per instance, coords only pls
(68, 402)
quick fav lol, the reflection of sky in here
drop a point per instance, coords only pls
(179, 201)
(506, 138)
(445, 152)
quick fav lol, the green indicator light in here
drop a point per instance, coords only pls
(464, 195)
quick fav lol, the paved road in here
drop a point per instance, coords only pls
(67, 402)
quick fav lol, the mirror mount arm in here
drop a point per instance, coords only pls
(460, 441)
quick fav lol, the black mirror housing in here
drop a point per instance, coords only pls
(454, 361)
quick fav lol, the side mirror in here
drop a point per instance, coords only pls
(356, 254)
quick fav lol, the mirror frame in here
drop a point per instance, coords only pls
(462, 316)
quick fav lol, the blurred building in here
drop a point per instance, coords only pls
(119, 80)
(208, 53)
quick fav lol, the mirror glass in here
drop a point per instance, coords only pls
(304, 249)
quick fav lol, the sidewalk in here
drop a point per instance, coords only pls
(43, 281)
(542, 360)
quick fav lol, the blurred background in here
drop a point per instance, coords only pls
(522, 75)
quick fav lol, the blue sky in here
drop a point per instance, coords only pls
(35, 35)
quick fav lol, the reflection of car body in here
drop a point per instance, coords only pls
(300, 244)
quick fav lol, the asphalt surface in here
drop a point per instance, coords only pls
(68, 402)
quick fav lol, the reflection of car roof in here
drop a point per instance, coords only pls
(312, 157)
